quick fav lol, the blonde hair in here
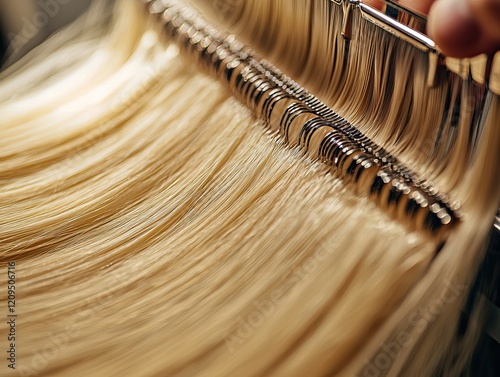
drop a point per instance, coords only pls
(158, 230)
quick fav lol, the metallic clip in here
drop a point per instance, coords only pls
(398, 29)
(481, 70)
(347, 7)
(299, 118)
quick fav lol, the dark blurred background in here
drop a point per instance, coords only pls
(26, 23)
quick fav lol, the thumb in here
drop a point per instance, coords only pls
(459, 30)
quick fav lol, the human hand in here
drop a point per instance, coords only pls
(461, 28)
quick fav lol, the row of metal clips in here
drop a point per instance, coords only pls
(303, 121)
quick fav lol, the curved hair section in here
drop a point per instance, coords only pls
(157, 229)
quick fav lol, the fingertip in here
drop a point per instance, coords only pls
(487, 12)
(453, 28)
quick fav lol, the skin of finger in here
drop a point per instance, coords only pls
(487, 12)
(456, 36)
(453, 28)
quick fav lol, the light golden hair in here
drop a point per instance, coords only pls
(159, 230)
